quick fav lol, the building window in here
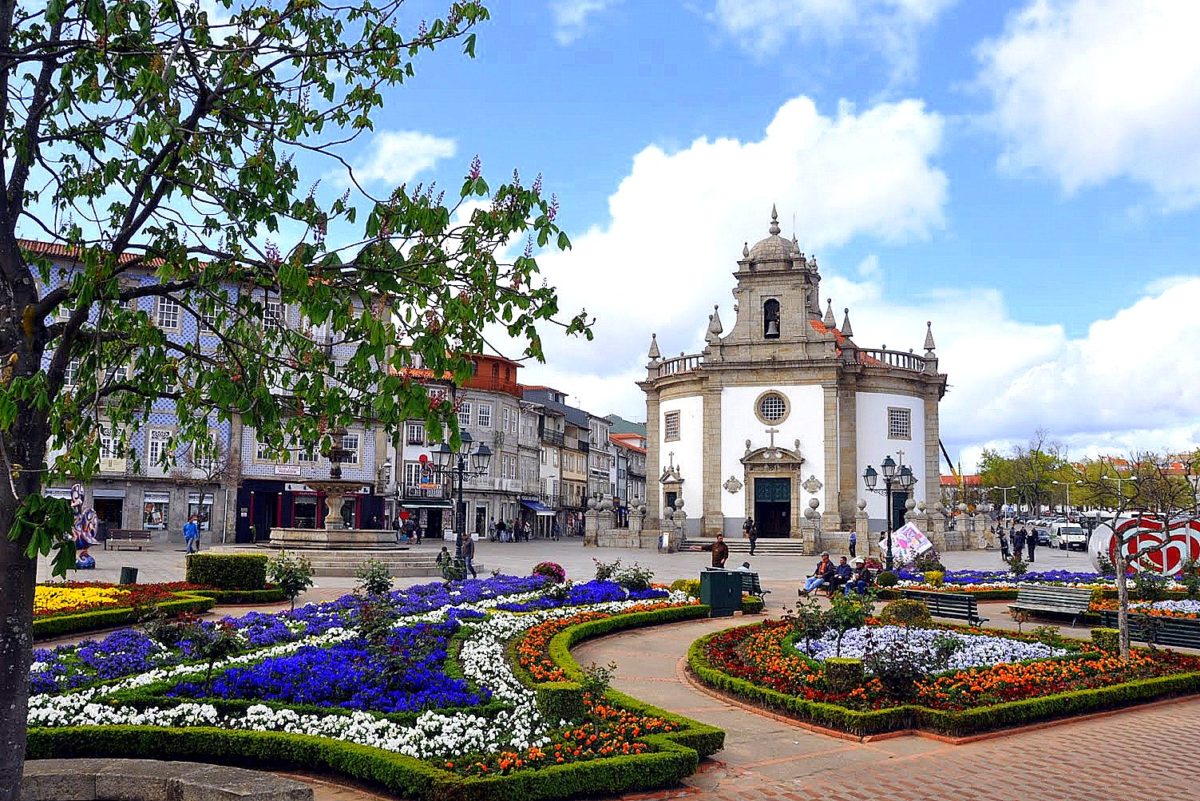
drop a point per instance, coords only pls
(464, 414)
(306, 454)
(507, 419)
(414, 433)
(157, 442)
(209, 319)
(899, 423)
(771, 407)
(671, 426)
(204, 455)
(263, 452)
(412, 474)
(484, 419)
(350, 445)
(201, 506)
(166, 314)
(156, 510)
(71, 374)
(771, 319)
(108, 444)
(273, 315)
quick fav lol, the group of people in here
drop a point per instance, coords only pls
(467, 549)
(843, 576)
(512, 531)
(1016, 542)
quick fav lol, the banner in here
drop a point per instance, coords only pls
(908, 542)
(1164, 546)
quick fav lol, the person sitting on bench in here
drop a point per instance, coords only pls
(841, 576)
(821, 575)
(860, 580)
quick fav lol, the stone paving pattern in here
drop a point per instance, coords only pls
(1146, 751)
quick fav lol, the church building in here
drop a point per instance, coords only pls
(779, 418)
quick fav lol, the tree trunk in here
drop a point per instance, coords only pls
(16, 641)
(1122, 599)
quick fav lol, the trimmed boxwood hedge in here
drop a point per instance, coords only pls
(673, 757)
(950, 723)
(228, 571)
(98, 619)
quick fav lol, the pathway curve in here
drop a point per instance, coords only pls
(1145, 751)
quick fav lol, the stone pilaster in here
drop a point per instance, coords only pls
(848, 456)
(832, 478)
(933, 451)
(713, 521)
(653, 458)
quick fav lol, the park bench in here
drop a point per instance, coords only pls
(133, 537)
(751, 585)
(1073, 601)
(954, 605)
(1180, 632)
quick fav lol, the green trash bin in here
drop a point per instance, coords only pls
(721, 590)
(129, 575)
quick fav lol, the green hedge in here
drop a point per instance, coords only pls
(61, 625)
(228, 571)
(752, 605)
(674, 756)
(950, 723)
(270, 595)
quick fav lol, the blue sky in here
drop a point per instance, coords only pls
(1025, 174)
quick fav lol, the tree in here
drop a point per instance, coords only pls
(163, 138)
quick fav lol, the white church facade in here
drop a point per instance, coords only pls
(779, 418)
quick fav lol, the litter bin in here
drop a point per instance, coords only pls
(722, 591)
(129, 575)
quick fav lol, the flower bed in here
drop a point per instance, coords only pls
(1005, 687)
(970, 650)
(1185, 608)
(436, 712)
(73, 597)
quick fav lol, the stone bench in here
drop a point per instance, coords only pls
(151, 780)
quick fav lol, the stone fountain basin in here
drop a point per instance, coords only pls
(338, 539)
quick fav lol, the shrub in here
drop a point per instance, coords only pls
(845, 613)
(550, 570)
(690, 586)
(752, 605)
(597, 679)
(905, 612)
(1108, 640)
(930, 560)
(887, 579)
(634, 577)
(1149, 586)
(935, 578)
(1189, 577)
(374, 579)
(1048, 635)
(1017, 566)
(228, 571)
(292, 574)
(843, 675)
(1105, 566)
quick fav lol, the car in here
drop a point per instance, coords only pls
(1069, 536)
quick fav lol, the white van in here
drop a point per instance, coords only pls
(1068, 536)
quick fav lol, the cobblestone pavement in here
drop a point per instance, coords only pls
(1143, 752)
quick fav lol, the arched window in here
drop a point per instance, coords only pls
(771, 319)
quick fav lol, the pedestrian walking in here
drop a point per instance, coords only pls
(1018, 541)
(853, 544)
(191, 534)
(1031, 543)
(751, 531)
(468, 552)
(1002, 537)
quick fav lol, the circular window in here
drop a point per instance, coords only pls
(771, 408)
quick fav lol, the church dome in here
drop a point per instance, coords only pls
(774, 247)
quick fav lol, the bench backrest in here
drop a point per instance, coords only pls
(128, 534)
(1180, 632)
(1079, 598)
(940, 602)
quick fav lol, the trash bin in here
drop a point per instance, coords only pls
(722, 591)
(129, 575)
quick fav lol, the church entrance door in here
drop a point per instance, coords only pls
(773, 506)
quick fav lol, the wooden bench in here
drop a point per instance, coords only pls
(954, 605)
(133, 537)
(1180, 632)
(1073, 601)
(751, 585)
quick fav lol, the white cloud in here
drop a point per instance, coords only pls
(396, 157)
(678, 220)
(889, 26)
(1093, 90)
(571, 17)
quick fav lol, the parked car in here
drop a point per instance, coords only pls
(1068, 536)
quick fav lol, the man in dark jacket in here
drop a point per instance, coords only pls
(822, 574)
(841, 575)
(468, 552)
(751, 533)
(1018, 541)
(1031, 542)
(720, 552)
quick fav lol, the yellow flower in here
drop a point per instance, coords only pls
(49, 598)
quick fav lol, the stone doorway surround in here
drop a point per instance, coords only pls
(774, 461)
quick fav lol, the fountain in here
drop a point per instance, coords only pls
(334, 536)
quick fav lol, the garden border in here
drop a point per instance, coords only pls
(52, 626)
(946, 724)
(675, 756)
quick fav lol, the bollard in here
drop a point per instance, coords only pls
(129, 575)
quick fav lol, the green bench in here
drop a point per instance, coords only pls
(953, 605)
(1180, 632)
(1073, 601)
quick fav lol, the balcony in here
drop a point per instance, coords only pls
(552, 437)
(584, 445)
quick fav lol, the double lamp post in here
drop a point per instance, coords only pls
(895, 477)
(471, 459)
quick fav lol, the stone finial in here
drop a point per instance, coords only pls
(847, 331)
(745, 250)
(862, 505)
(829, 322)
(773, 228)
(714, 322)
(654, 352)
(812, 263)
(929, 346)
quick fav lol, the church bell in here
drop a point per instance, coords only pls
(772, 328)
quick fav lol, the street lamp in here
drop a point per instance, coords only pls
(1004, 503)
(470, 459)
(1067, 484)
(898, 476)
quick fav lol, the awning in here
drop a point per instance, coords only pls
(538, 508)
(426, 504)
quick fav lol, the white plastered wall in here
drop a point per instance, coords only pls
(688, 450)
(874, 445)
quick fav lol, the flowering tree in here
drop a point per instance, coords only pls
(167, 139)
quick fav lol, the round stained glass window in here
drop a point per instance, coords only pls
(772, 407)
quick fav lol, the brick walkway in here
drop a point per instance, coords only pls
(1146, 752)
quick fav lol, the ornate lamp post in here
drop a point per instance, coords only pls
(895, 476)
(471, 459)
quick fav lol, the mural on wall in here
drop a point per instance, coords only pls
(1175, 542)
